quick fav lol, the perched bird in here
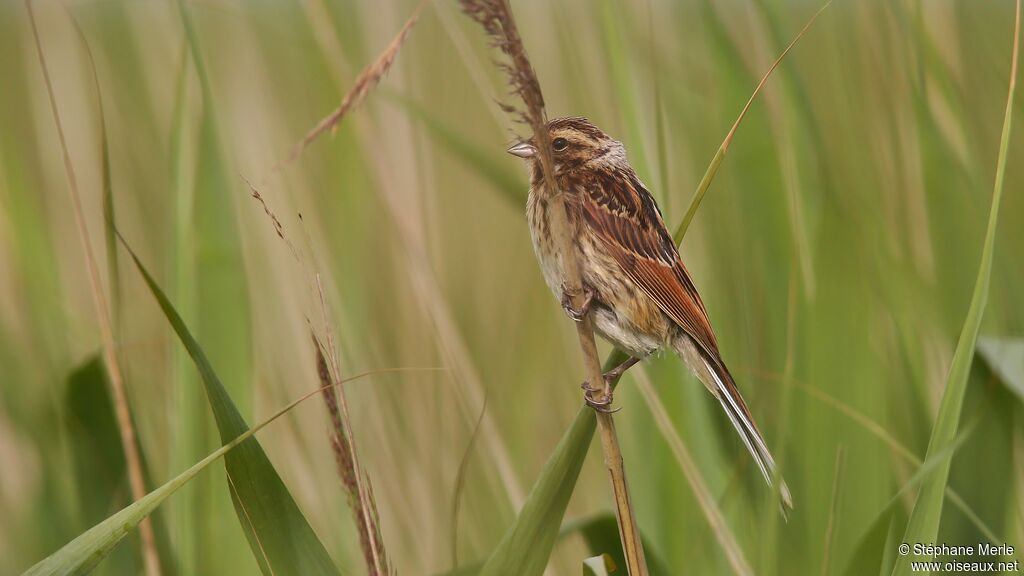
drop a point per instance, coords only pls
(637, 289)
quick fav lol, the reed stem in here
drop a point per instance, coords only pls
(496, 18)
(629, 534)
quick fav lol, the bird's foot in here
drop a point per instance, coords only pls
(615, 373)
(602, 404)
(571, 311)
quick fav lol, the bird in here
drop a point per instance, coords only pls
(637, 290)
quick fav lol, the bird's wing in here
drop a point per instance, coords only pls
(622, 213)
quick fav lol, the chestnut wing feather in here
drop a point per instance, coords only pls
(620, 211)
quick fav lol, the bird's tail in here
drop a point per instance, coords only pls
(716, 377)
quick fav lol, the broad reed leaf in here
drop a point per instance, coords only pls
(209, 283)
(95, 447)
(898, 449)
(99, 463)
(92, 426)
(1005, 356)
(880, 557)
(601, 533)
(870, 555)
(525, 548)
(280, 537)
(83, 553)
(923, 525)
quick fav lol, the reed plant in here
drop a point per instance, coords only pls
(261, 172)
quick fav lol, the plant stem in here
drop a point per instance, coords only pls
(350, 470)
(496, 18)
(632, 547)
(629, 535)
(129, 442)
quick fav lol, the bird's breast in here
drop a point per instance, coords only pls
(538, 215)
(623, 313)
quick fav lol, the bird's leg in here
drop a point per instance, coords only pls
(577, 314)
(618, 371)
(604, 404)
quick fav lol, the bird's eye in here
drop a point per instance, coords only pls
(559, 144)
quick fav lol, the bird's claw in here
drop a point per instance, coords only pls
(577, 314)
(602, 405)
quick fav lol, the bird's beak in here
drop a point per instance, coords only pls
(523, 150)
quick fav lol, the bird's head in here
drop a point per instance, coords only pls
(575, 143)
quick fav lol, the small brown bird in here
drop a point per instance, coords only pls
(637, 289)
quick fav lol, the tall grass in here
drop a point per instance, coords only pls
(836, 252)
(129, 443)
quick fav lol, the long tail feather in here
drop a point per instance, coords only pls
(731, 400)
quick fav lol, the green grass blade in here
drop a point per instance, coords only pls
(525, 548)
(527, 544)
(83, 553)
(280, 537)
(99, 463)
(210, 288)
(923, 525)
(716, 161)
(874, 429)
(601, 533)
(878, 553)
(870, 555)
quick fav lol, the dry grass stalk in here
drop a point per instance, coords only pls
(274, 221)
(365, 82)
(357, 487)
(454, 348)
(495, 16)
(356, 484)
(369, 527)
(364, 510)
(129, 442)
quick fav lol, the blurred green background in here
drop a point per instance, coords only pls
(836, 253)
